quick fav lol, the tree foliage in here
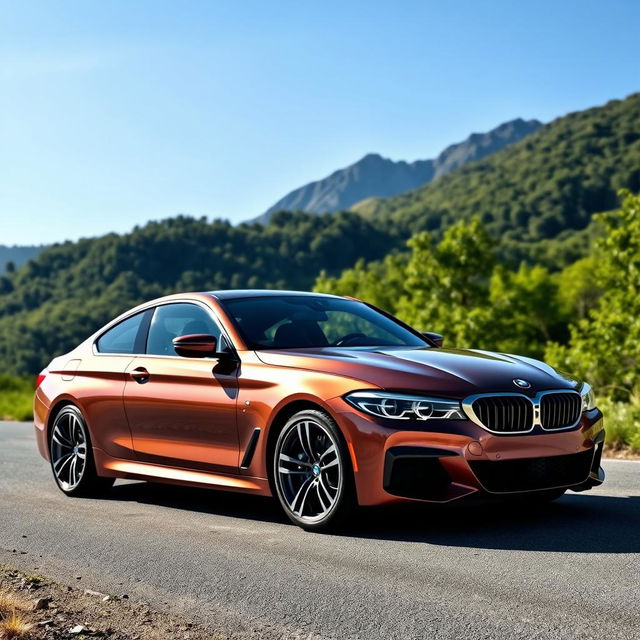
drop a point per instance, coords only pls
(604, 346)
(458, 287)
(446, 283)
(69, 290)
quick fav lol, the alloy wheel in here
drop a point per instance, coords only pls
(309, 470)
(68, 450)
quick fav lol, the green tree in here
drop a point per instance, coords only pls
(579, 287)
(446, 286)
(457, 287)
(381, 283)
(524, 310)
(604, 347)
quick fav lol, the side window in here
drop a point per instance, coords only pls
(123, 338)
(173, 320)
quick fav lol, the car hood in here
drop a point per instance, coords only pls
(447, 372)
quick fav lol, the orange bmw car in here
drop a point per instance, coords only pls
(323, 401)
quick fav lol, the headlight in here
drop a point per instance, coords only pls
(399, 406)
(588, 397)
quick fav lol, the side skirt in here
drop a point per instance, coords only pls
(131, 469)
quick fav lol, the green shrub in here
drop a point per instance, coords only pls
(16, 398)
(622, 424)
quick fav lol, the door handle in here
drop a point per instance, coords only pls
(140, 375)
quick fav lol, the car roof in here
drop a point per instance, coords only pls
(229, 294)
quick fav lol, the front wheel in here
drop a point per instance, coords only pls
(71, 455)
(312, 472)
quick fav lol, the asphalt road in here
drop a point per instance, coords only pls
(571, 570)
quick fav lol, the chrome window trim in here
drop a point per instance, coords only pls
(467, 406)
(153, 307)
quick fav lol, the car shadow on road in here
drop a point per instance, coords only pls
(581, 523)
(578, 523)
(215, 502)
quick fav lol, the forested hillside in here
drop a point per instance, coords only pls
(71, 289)
(14, 257)
(535, 193)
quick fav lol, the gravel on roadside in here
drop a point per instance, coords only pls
(53, 611)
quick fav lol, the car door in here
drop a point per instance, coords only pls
(182, 410)
(100, 379)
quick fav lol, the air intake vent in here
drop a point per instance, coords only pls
(532, 474)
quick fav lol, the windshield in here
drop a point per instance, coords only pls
(299, 322)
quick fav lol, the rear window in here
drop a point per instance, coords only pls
(123, 338)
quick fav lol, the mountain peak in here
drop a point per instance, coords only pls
(372, 157)
(374, 176)
(480, 145)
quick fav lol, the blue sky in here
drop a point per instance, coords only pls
(114, 113)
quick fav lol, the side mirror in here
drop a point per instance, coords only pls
(436, 338)
(195, 345)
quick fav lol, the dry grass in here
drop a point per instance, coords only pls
(14, 627)
(9, 602)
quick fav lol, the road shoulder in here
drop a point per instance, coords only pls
(48, 609)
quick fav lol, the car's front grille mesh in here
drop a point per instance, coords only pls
(504, 414)
(516, 413)
(560, 410)
(531, 474)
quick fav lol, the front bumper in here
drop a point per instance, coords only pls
(447, 461)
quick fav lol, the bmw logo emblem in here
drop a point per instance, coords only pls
(523, 384)
(316, 470)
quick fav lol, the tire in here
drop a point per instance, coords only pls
(312, 472)
(72, 461)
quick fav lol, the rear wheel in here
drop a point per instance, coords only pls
(71, 456)
(312, 472)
